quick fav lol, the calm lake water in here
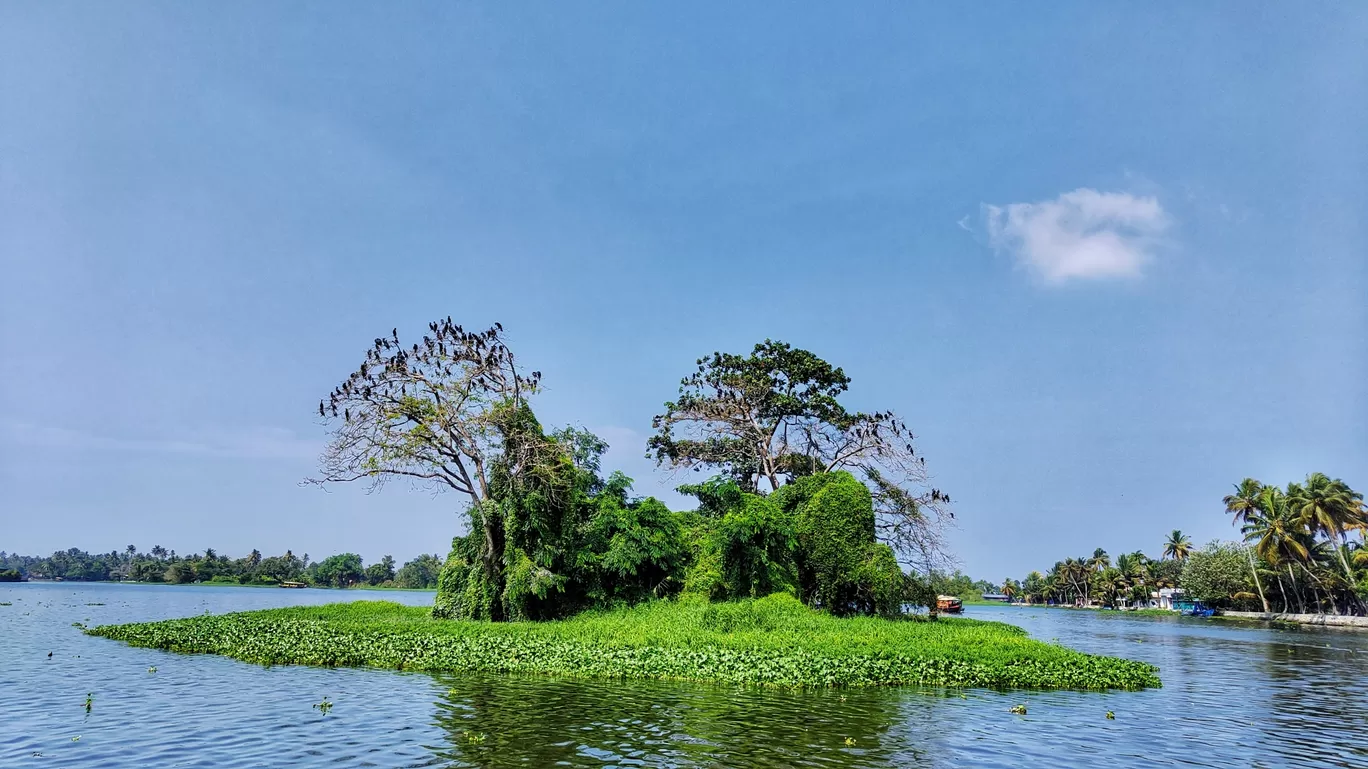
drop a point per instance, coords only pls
(1234, 695)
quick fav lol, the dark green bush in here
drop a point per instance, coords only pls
(835, 532)
(754, 542)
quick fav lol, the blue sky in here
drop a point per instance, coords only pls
(1106, 260)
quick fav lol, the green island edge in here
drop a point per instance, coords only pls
(773, 641)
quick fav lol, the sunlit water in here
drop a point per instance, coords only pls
(1233, 695)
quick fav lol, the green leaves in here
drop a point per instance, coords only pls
(773, 641)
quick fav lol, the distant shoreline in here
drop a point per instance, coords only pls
(219, 584)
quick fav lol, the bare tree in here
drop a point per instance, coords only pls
(434, 412)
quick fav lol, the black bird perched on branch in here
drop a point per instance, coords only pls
(320, 409)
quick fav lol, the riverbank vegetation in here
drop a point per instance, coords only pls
(773, 641)
(1301, 551)
(166, 566)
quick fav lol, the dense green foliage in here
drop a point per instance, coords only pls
(420, 573)
(162, 565)
(813, 538)
(575, 541)
(10, 575)
(1307, 541)
(775, 417)
(1215, 573)
(572, 540)
(773, 641)
(960, 584)
(341, 570)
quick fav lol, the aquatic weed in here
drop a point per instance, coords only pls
(773, 641)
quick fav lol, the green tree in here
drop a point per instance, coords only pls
(1178, 546)
(420, 573)
(1243, 505)
(1216, 573)
(1330, 507)
(834, 528)
(341, 570)
(1278, 535)
(381, 571)
(633, 549)
(754, 542)
(746, 414)
(775, 415)
(180, 572)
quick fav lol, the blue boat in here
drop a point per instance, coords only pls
(1192, 608)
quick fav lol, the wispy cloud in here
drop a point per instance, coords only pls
(246, 443)
(1084, 234)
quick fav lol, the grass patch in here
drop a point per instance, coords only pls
(773, 641)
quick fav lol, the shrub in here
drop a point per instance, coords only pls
(754, 542)
(835, 532)
(880, 585)
(633, 551)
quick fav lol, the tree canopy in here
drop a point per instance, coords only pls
(775, 416)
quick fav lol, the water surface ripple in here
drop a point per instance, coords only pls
(1234, 695)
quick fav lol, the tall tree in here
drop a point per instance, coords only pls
(775, 415)
(441, 412)
(1243, 505)
(1278, 536)
(1178, 546)
(1328, 506)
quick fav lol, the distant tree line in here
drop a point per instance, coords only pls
(166, 566)
(959, 584)
(1302, 550)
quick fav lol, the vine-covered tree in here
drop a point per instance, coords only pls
(775, 415)
(444, 412)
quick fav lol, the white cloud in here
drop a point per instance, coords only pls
(1079, 235)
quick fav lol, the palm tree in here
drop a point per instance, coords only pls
(1242, 504)
(1010, 588)
(1278, 536)
(1178, 546)
(1329, 507)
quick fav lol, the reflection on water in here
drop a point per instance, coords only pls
(499, 721)
(1234, 695)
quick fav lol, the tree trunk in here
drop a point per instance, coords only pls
(1353, 602)
(1333, 608)
(1301, 606)
(1287, 607)
(1257, 583)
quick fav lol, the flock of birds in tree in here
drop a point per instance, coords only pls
(448, 346)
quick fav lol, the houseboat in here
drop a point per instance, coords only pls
(949, 604)
(292, 583)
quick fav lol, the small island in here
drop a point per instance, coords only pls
(771, 641)
(816, 532)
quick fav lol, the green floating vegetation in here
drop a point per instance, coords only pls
(771, 641)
